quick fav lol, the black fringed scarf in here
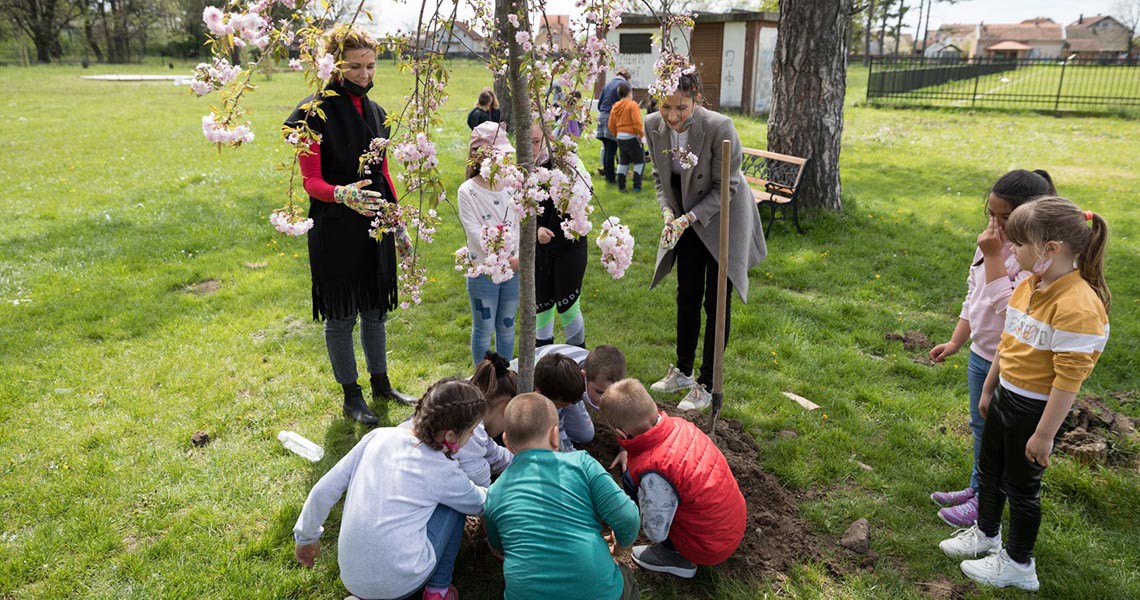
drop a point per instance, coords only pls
(351, 271)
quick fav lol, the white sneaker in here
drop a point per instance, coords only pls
(999, 570)
(674, 381)
(698, 398)
(970, 542)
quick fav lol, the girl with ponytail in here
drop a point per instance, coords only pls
(1056, 327)
(405, 498)
(482, 456)
(993, 275)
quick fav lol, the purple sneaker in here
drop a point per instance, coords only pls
(952, 498)
(963, 515)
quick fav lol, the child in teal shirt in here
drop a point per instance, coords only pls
(546, 513)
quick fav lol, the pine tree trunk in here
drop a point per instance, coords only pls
(809, 80)
(520, 126)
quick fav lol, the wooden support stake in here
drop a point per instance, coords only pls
(721, 285)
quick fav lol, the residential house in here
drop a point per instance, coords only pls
(1097, 37)
(955, 36)
(555, 29)
(1031, 38)
(458, 39)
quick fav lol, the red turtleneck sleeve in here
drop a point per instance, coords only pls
(315, 184)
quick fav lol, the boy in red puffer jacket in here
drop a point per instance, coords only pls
(690, 503)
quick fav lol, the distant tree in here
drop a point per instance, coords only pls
(1128, 13)
(41, 20)
(809, 75)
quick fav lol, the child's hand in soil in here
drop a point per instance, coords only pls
(307, 554)
(623, 459)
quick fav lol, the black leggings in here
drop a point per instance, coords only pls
(1004, 472)
(696, 284)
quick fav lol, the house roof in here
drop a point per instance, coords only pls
(639, 20)
(465, 27)
(1030, 30)
(1088, 22)
(1008, 45)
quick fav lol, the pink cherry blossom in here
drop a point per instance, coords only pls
(326, 64)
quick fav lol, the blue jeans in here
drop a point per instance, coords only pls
(976, 371)
(445, 532)
(493, 308)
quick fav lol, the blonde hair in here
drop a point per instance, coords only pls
(528, 417)
(627, 406)
(343, 38)
(1056, 219)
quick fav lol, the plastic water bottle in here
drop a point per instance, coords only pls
(301, 445)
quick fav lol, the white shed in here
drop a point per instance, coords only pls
(733, 53)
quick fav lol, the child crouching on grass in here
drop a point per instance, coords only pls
(691, 506)
(546, 514)
(1056, 326)
(482, 457)
(406, 497)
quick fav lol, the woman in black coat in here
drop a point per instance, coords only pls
(353, 274)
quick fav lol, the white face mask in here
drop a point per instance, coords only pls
(1042, 264)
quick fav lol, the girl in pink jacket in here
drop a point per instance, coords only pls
(993, 275)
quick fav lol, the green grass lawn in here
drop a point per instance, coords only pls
(121, 221)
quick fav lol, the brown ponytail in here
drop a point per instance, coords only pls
(1091, 262)
(495, 379)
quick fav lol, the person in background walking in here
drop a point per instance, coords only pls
(487, 109)
(609, 141)
(625, 123)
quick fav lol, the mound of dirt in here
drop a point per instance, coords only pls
(913, 341)
(1090, 428)
(775, 536)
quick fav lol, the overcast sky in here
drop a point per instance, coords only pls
(390, 14)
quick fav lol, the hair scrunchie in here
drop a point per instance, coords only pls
(1088, 215)
(501, 364)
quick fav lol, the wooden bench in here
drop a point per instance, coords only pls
(773, 179)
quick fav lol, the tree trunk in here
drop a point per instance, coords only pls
(89, 35)
(898, 27)
(926, 27)
(867, 34)
(42, 39)
(919, 32)
(809, 80)
(886, 9)
(520, 126)
(503, 84)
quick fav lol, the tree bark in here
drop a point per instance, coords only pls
(867, 34)
(809, 80)
(520, 126)
(503, 84)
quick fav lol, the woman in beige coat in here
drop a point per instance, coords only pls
(689, 195)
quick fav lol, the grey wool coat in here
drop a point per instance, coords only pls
(700, 194)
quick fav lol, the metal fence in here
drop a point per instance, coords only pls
(1031, 83)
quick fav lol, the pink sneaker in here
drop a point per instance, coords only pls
(452, 594)
(952, 498)
(963, 515)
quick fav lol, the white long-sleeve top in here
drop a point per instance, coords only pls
(480, 207)
(481, 456)
(394, 483)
